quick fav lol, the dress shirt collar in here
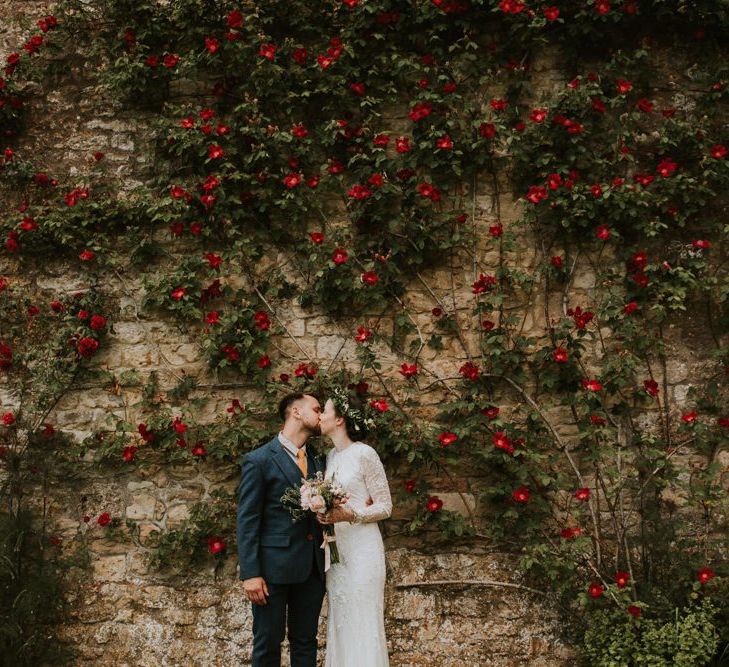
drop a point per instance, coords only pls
(289, 446)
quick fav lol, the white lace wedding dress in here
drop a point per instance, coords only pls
(356, 585)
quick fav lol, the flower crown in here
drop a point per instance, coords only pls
(360, 418)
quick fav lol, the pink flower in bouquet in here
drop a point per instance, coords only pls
(317, 503)
(305, 497)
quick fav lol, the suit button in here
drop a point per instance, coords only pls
(309, 537)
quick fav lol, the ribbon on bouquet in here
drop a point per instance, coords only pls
(328, 539)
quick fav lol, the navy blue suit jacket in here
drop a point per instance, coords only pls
(270, 544)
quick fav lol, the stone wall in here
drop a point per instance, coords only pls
(121, 613)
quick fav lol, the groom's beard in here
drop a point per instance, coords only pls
(315, 430)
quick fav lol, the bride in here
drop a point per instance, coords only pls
(356, 584)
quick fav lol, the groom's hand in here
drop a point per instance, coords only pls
(256, 590)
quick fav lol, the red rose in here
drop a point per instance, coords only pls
(447, 438)
(436, 312)
(595, 589)
(634, 611)
(267, 51)
(484, 283)
(87, 255)
(520, 495)
(651, 387)
(491, 412)
(433, 504)
(216, 545)
(429, 191)
(104, 519)
(410, 485)
(603, 232)
(6, 355)
(8, 419)
(262, 320)
(622, 579)
(630, 307)
(359, 192)
(363, 334)
(376, 180)
(498, 104)
(300, 55)
(408, 371)
(419, 111)
(380, 405)
(602, 6)
(87, 346)
(596, 190)
(178, 294)
(582, 494)
(234, 19)
(556, 261)
(705, 574)
(560, 355)
(470, 371)
(292, 180)
(501, 441)
(598, 105)
(444, 143)
(212, 45)
(570, 533)
(128, 453)
(213, 260)
(199, 450)
(178, 425)
(212, 318)
(299, 131)
(215, 152)
(340, 256)
(487, 130)
(357, 88)
(597, 420)
(702, 244)
(28, 224)
(718, 151)
(97, 322)
(689, 417)
(316, 238)
(170, 60)
(496, 230)
(536, 194)
(645, 105)
(591, 385)
(551, 13)
(402, 144)
(381, 140)
(666, 167)
(264, 362)
(624, 86)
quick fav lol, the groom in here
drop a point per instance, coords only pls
(281, 562)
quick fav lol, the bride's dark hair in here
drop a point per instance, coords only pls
(355, 429)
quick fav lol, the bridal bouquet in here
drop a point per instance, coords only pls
(317, 495)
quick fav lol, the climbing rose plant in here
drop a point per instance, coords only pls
(347, 152)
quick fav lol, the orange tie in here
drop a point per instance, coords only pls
(301, 462)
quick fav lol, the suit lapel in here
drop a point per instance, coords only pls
(313, 463)
(285, 463)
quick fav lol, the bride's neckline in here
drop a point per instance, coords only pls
(349, 446)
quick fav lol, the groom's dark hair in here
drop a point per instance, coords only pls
(286, 402)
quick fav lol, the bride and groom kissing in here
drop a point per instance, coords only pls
(282, 562)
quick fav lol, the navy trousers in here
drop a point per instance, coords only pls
(303, 602)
